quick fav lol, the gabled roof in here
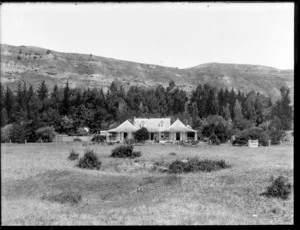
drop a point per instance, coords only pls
(178, 126)
(126, 126)
(152, 124)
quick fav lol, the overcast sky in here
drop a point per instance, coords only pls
(171, 34)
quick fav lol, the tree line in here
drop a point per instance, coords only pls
(69, 110)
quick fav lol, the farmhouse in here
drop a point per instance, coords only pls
(160, 130)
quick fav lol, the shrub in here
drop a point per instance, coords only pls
(77, 139)
(232, 132)
(89, 160)
(194, 165)
(18, 133)
(73, 155)
(99, 138)
(242, 124)
(215, 140)
(280, 187)
(48, 51)
(172, 154)
(254, 133)
(81, 132)
(63, 197)
(172, 180)
(276, 136)
(45, 133)
(124, 151)
(5, 133)
(141, 135)
(129, 141)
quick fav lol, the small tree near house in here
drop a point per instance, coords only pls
(141, 135)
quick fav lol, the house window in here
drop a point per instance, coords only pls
(161, 124)
(142, 124)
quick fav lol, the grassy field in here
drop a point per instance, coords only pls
(123, 193)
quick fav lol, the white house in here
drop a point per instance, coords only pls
(160, 129)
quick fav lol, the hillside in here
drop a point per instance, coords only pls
(33, 64)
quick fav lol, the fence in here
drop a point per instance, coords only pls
(66, 138)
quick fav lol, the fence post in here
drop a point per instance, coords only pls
(25, 141)
(280, 143)
(10, 141)
(269, 143)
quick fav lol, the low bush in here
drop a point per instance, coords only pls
(129, 141)
(280, 187)
(125, 151)
(172, 154)
(98, 138)
(193, 142)
(254, 133)
(172, 180)
(73, 155)
(194, 165)
(89, 160)
(19, 133)
(63, 197)
(5, 133)
(76, 139)
(81, 132)
(46, 134)
(276, 136)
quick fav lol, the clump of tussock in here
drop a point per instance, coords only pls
(64, 197)
(125, 151)
(280, 187)
(195, 165)
(172, 179)
(90, 160)
(172, 154)
(76, 139)
(73, 155)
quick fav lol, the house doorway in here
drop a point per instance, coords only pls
(177, 136)
(125, 135)
(152, 136)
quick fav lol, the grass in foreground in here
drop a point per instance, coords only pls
(123, 196)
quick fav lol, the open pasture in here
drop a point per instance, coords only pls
(124, 192)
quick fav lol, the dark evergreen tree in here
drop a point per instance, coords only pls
(65, 106)
(283, 110)
(4, 118)
(42, 91)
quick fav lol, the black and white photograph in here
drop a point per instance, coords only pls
(147, 113)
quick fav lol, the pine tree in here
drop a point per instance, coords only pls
(211, 103)
(2, 94)
(238, 111)
(55, 98)
(42, 91)
(20, 113)
(9, 104)
(194, 114)
(232, 100)
(283, 110)
(221, 101)
(4, 118)
(65, 107)
(226, 113)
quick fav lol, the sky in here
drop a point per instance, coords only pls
(179, 35)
